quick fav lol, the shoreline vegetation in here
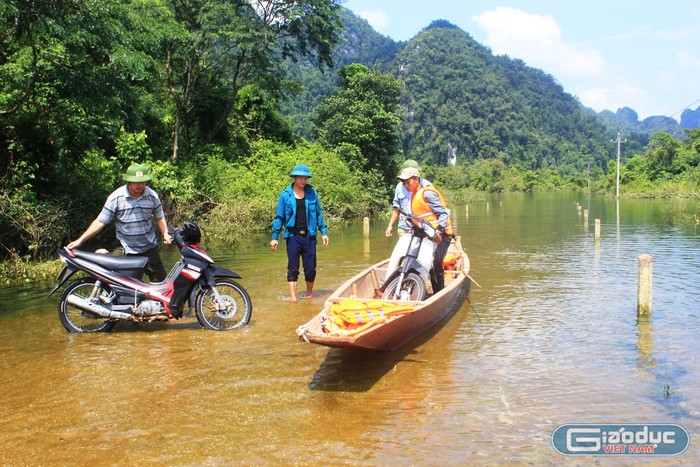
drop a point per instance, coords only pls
(26, 270)
(227, 197)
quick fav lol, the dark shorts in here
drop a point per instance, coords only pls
(155, 269)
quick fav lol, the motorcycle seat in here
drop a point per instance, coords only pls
(115, 263)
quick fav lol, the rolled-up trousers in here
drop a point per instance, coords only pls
(303, 248)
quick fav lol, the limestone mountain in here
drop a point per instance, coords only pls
(463, 103)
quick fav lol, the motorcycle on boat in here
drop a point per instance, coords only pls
(113, 290)
(407, 282)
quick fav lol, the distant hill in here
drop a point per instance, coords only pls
(627, 121)
(464, 103)
(461, 98)
(690, 118)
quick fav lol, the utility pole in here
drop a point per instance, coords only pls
(619, 151)
(589, 177)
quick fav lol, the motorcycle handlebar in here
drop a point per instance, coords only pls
(422, 223)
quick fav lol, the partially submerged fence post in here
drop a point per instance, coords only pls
(597, 230)
(365, 227)
(644, 286)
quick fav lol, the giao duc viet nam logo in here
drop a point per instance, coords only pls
(624, 439)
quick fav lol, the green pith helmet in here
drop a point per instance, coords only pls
(410, 163)
(300, 170)
(137, 173)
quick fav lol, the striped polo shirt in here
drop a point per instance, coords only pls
(133, 218)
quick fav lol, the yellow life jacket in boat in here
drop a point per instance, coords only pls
(351, 315)
(420, 208)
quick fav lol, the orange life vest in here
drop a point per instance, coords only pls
(351, 316)
(450, 261)
(420, 208)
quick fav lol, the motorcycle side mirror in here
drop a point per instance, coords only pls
(176, 236)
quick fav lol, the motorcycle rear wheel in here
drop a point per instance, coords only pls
(76, 320)
(412, 288)
(234, 315)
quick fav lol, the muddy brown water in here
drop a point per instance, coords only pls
(550, 338)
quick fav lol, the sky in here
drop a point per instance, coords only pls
(642, 54)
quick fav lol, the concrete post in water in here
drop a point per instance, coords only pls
(585, 216)
(597, 230)
(644, 286)
(487, 206)
(365, 227)
(467, 210)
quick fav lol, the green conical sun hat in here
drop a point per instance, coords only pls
(137, 173)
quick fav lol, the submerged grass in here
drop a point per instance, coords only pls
(23, 270)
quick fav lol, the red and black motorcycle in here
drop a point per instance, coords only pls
(115, 292)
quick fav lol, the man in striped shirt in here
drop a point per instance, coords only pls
(133, 208)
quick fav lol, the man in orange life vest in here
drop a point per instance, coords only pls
(428, 204)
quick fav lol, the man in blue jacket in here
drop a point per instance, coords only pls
(299, 214)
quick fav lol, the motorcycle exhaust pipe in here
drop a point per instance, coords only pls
(95, 308)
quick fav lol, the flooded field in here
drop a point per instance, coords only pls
(550, 337)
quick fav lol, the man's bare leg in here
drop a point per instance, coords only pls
(292, 292)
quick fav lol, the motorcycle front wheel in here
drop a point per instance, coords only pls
(235, 312)
(412, 288)
(76, 320)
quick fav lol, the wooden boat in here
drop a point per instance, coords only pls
(393, 329)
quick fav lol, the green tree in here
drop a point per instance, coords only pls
(364, 112)
(262, 120)
(661, 154)
(71, 76)
(223, 46)
(462, 99)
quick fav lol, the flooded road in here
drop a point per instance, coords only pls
(550, 338)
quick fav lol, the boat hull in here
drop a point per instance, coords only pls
(398, 330)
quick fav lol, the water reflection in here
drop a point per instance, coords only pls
(353, 371)
(357, 370)
(645, 344)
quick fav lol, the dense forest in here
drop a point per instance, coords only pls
(222, 99)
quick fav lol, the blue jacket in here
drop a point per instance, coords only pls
(287, 212)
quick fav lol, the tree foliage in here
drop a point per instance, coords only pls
(364, 112)
(665, 162)
(221, 47)
(459, 96)
(357, 43)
